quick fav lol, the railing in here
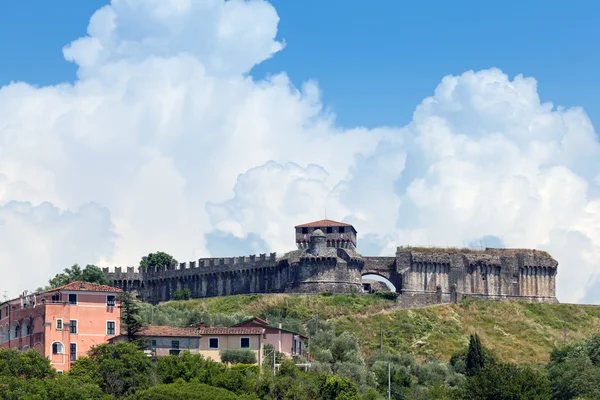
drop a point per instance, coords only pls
(111, 303)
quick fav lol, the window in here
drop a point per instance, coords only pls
(305, 230)
(73, 326)
(213, 343)
(73, 351)
(245, 343)
(110, 328)
(174, 348)
(56, 298)
(73, 299)
(153, 345)
(341, 229)
(28, 330)
(57, 348)
(17, 331)
(59, 325)
(111, 301)
(329, 230)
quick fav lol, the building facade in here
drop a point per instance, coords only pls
(290, 344)
(208, 342)
(62, 324)
(326, 260)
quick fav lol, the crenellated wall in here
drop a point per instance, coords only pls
(422, 276)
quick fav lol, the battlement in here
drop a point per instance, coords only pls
(220, 263)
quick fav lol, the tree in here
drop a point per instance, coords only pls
(238, 356)
(507, 382)
(116, 368)
(338, 388)
(156, 260)
(90, 273)
(28, 365)
(131, 321)
(475, 357)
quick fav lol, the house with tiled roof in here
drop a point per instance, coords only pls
(289, 343)
(208, 342)
(61, 323)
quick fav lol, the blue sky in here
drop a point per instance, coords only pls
(373, 61)
(164, 142)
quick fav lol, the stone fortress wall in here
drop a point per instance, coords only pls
(422, 276)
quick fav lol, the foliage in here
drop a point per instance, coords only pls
(90, 273)
(338, 388)
(507, 382)
(131, 322)
(574, 370)
(238, 356)
(158, 260)
(475, 361)
(387, 295)
(116, 368)
(182, 294)
(27, 365)
(183, 391)
(29, 375)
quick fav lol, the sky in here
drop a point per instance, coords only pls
(211, 128)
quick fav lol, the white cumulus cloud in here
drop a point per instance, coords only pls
(180, 150)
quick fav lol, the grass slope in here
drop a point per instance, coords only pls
(518, 332)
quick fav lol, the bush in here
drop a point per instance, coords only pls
(182, 294)
(238, 356)
(184, 391)
(326, 294)
(387, 295)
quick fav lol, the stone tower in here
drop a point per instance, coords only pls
(337, 234)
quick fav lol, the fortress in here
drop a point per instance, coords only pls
(326, 260)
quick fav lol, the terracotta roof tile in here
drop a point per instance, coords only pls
(87, 287)
(171, 331)
(322, 223)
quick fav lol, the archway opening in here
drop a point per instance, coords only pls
(374, 281)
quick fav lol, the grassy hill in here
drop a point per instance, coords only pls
(518, 332)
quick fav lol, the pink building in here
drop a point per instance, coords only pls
(291, 344)
(62, 323)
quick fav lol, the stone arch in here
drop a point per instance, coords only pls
(379, 277)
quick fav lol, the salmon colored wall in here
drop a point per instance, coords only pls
(287, 341)
(91, 313)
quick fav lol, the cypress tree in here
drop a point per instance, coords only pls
(475, 357)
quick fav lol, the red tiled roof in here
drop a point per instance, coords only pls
(171, 331)
(322, 223)
(87, 287)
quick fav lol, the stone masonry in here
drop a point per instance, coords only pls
(326, 261)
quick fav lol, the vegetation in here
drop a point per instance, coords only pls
(131, 321)
(158, 260)
(238, 356)
(90, 273)
(516, 332)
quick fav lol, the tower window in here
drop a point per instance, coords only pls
(329, 230)
(342, 229)
(304, 230)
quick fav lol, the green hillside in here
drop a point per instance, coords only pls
(517, 332)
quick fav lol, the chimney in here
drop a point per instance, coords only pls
(82, 285)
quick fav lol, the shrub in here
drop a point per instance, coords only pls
(238, 356)
(326, 294)
(393, 296)
(183, 391)
(182, 294)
